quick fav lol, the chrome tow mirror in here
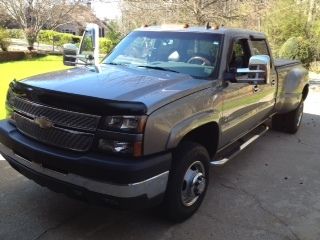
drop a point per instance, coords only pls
(258, 71)
(88, 53)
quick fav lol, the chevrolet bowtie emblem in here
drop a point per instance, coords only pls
(43, 122)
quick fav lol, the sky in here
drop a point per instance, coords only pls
(109, 10)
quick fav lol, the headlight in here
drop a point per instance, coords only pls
(134, 124)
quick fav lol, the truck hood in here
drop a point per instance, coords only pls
(153, 88)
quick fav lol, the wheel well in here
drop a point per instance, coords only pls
(305, 92)
(207, 135)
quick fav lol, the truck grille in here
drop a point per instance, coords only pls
(64, 129)
(58, 137)
(58, 116)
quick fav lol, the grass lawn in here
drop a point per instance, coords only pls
(22, 69)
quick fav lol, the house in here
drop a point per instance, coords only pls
(81, 15)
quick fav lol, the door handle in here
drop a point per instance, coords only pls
(273, 82)
(256, 89)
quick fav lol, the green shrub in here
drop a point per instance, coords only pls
(106, 45)
(47, 37)
(297, 48)
(4, 39)
(16, 33)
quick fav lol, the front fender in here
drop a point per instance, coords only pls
(167, 126)
(187, 125)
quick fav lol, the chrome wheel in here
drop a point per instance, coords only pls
(194, 183)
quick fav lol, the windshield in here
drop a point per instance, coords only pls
(195, 54)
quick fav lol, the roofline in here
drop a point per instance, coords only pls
(203, 29)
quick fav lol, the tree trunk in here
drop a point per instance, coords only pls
(31, 36)
(312, 12)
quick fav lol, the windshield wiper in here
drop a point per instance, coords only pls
(158, 68)
(115, 64)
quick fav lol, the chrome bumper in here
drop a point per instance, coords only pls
(150, 187)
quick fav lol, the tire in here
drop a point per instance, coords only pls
(179, 203)
(288, 122)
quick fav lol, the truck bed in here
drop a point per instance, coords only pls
(280, 63)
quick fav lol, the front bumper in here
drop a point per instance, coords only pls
(23, 154)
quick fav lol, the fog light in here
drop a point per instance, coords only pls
(115, 146)
(120, 147)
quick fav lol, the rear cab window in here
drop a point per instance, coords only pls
(260, 47)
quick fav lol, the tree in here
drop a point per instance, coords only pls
(4, 18)
(312, 12)
(113, 33)
(196, 12)
(293, 29)
(285, 20)
(35, 15)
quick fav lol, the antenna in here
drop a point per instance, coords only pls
(208, 26)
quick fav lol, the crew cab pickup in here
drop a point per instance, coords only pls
(142, 127)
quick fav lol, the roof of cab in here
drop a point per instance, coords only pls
(203, 29)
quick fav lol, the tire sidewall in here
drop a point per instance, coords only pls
(182, 160)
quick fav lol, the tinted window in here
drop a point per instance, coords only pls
(240, 54)
(259, 47)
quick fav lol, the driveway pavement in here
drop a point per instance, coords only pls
(271, 191)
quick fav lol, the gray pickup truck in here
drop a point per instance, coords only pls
(142, 127)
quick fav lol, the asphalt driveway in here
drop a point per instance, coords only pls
(270, 191)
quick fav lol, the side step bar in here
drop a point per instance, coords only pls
(242, 145)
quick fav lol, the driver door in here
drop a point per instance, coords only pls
(240, 100)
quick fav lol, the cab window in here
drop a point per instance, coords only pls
(240, 54)
(260, 47)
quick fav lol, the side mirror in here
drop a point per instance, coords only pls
(70, 52)
(258, 71)
(89, 46)
(88, 53)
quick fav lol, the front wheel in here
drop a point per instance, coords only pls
(188, 181)
(289, 122)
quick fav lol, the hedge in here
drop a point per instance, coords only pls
(106, 46)
(16, 33)
(47, 36)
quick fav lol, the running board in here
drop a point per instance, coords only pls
(244, 144)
